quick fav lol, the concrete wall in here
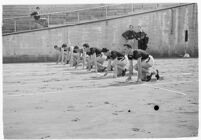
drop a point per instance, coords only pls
(166, 30)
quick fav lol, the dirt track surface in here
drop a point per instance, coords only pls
(45, 100)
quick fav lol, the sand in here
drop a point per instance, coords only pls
(49, 101)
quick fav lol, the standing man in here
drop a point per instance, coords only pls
(129, 35)
(142, 39)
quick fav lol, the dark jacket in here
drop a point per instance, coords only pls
(35, 14)
(129, 34)
(142, 40)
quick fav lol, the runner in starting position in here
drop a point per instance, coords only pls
(119, 62)
(95, 58)
(144, 66)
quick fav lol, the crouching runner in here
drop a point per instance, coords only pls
(144, 65)
(95, 58)
(119, 62)
(77, 56)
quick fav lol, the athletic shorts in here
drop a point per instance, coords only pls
(147, 63)
(121, 63)
(100, 59)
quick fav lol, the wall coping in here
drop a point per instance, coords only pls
(100, 20)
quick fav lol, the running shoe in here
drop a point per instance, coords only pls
(124, 72)
(157, 75)
(149, 77)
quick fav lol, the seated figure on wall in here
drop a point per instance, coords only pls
(38, 19)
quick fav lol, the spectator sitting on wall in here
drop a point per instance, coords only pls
(142, 39)
(35, 14)
(38, 19)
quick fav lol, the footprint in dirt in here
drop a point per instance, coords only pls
(106, 102)
(70, 108)
(38, 107)
(89, 106)
(45, 137)
(151, 104)
(114, 113)
(75, 120)
(119, 111)
(138, 130)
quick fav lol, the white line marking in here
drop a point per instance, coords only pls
(178, 92)
(147, 85)
(174, 82)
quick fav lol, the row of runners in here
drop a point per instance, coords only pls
(121, 63)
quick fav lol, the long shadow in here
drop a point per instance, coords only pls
(130, 83)
(81, 72)
(99, 78)
(123, 83)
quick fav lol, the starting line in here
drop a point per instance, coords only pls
(147, 85)
(178, 92)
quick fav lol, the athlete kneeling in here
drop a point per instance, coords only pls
(119, 62)
(144, 65)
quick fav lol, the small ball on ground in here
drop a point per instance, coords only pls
(156, 107)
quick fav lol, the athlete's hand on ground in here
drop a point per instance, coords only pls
(128, 79)
(105, 74)
(139, 81)
(114, 76)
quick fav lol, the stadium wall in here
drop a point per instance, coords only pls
(165, 28)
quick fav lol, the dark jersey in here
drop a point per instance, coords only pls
(142, 43)
(130, 34)
(35, 14)
(137, 54)
(94, 50)
(78, 51)
(114, 54)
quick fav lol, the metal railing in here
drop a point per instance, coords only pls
(26, 23)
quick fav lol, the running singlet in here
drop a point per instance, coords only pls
(78, 51)
(137, 54)
(114, 54)
(94, 50)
